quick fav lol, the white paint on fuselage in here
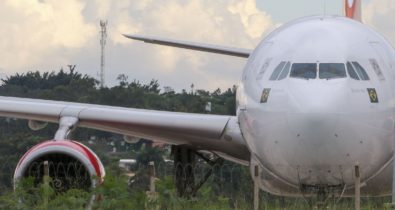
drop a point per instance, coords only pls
(314, 131)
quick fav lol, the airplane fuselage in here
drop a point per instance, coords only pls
(317, 98)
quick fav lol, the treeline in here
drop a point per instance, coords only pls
(75, 87)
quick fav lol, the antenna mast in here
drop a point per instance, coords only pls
(103, 33)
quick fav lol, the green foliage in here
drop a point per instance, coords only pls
(72, 199)
(114, 193)
(27, 196)
(71, 86)
(149, 154)
(205, 199)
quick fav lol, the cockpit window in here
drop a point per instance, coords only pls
(332, 70)
(285, 71)
(281, 71)
(360, 71)
(324, 70)
(351, 71)
(277, 71)
(304, 70)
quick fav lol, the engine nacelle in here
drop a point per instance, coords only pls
(70, 163)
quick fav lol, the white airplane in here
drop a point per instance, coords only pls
(315, 108)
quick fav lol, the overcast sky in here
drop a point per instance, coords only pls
(47, 35)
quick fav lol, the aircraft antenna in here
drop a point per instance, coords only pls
(103, 33)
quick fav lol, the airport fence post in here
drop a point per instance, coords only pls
(151, 171)
(151, 194)
(393, 179)
(357, 188)
(46, 184)
(256, 187)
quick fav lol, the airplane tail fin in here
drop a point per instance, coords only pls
(352, 9)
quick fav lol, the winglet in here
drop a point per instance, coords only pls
(352, 9)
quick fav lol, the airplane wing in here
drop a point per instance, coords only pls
(215, 133)
(238, 52)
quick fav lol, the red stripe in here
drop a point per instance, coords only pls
(70, 144)
(92, 157)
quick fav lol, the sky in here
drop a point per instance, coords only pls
(48, 35)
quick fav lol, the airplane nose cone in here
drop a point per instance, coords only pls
(318, 97)
(314, 131)
(313, 119)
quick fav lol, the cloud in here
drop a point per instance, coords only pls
(254, 21)
(230, 23)
(377, 14)
(32, 31)
(48, 34)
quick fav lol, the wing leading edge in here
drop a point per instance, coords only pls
(216, 133)
(238, 52)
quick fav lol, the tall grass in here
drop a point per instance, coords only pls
(115, 194)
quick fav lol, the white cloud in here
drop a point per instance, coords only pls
(255, 21)
(236, 23)
(33, 31)
(51, 33)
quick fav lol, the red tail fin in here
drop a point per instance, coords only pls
(353, 9)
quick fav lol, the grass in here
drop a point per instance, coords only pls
(115, 194)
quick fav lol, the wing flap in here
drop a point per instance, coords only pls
(206, 126)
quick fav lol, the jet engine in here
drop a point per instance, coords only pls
(69, 164)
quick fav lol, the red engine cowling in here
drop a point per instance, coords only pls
(71, 165)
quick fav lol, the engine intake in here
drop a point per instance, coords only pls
(71, 165)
